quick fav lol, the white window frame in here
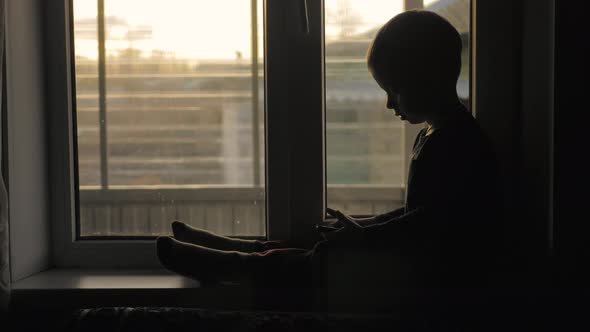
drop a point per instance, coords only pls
(295, 175)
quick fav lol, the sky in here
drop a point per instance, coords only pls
(206, 29)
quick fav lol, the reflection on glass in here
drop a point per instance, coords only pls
(171, 124)
(364, 141)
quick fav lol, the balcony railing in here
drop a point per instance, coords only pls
(232, 211)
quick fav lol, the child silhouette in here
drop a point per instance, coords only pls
(452, 191)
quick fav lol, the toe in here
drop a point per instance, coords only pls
(177, 227)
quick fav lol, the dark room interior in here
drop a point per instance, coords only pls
(299, 162)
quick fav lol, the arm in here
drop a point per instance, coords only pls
(415, 227)
(378, 219)
(368, 221)
(396, 219)
(389, 215)
(378, 223)
(419, 225)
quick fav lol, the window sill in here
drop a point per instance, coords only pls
(86, 288)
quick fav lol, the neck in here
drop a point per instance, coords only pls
(443, 111)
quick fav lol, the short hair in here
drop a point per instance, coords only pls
(414, 48)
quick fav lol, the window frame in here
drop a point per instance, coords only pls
(68, 251)
(294, 51)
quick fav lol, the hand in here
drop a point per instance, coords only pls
(345, 235)
(345, 220)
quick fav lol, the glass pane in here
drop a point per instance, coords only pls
(87, 92)
(179, 134)
(364, 141)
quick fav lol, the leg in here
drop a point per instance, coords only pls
(210, 265)
(198, 262)
(185, 233)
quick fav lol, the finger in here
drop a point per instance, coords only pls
(348, 221)
(342, 217)
(332, 212)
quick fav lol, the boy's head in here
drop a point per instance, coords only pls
(416, 59)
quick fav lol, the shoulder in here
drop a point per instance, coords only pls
(464, 140)
(466, 132)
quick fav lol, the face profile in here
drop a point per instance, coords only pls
(405, 106)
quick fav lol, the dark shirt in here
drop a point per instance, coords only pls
(452, 197)
(453, 170)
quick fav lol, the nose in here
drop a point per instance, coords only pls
(392, 101)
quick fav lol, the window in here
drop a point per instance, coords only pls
(221, 132)
(169, 103)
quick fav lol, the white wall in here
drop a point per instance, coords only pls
(29, 224)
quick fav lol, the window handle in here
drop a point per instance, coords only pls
(304, 16)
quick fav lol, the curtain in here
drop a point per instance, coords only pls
(4, 238)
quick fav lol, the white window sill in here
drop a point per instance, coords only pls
(85, 288)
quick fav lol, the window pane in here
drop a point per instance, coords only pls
(87, 93)
(171, 125)
(364, 140)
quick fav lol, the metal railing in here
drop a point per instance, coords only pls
(233, 211)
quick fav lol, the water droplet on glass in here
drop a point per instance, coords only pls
(237, 222)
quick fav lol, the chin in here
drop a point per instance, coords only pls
(415, 121)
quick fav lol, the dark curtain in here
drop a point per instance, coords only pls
(4, 238)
